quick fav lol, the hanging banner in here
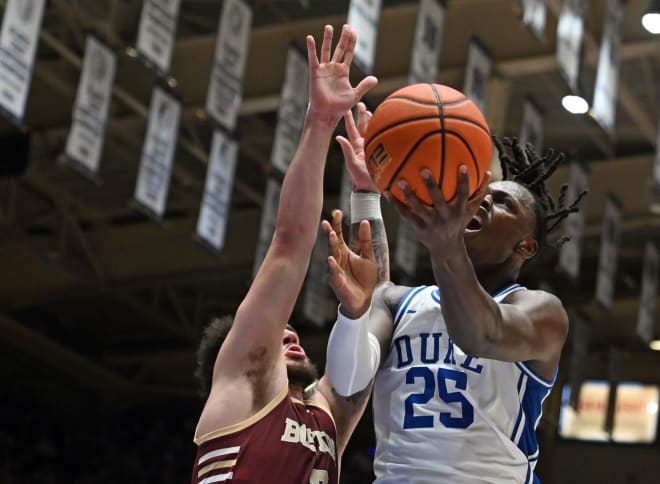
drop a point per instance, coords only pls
(570, 30)
(647, 299)
(19, 39)
(655, 189)
(364, 17)
(609, 252)
(225, 93)
(268, 221)
(291, 113)
(607, 75)
(570, 252)
(155, 169)
(157, 32)
(315, 303)
(214, 212)
(477, 75)
(84, 145)
(427, 42)
(534, 13)
(531, 130)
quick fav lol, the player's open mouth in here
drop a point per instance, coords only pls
(474, 225)
(295, 352)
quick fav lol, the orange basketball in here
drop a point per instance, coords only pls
(427, 126)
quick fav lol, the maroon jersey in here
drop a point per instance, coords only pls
(288, 441)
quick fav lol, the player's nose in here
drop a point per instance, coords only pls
(289, 337)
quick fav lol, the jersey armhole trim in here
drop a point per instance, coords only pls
(244, 423)
(535, 376)
(325, 409)
(405, 302)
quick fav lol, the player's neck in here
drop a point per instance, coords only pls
(296, 391)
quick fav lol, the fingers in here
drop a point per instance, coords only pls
(351, 129)
(342, 45)
(365, 85)
(311, 52)
(482, 191)
(364, 235)
(432, 188)
(463, 190)
(402, 208)
(350, 49)
(364, 116)
(327, 44)
(337, 217)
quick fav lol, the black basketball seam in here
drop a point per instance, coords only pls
(442, 127)
(474, 158)
(408, 155)
(421, 118)
(426, 103)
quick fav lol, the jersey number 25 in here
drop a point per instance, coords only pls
(412, 421)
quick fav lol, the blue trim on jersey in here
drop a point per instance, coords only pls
(405, 302)
(506, 290)
(538, 378)
(531, 408)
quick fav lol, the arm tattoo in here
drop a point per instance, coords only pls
(380, 246)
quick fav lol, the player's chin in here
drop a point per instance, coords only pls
(301, 372)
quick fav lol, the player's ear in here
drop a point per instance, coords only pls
(527, 247)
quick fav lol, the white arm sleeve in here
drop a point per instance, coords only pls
(353, 354)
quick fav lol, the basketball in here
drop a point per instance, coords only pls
(426, 126)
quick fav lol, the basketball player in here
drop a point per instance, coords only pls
(255, 426)
(461, 367)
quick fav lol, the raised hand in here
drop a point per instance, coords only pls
(352, 277)
(353, 148)
(440, 227)
(330, 91)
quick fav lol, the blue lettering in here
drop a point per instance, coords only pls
(436, 347)
(466, 364)
(449, 357)
(399, 352)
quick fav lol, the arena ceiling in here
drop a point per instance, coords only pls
(98, 298)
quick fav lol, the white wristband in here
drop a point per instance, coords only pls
(365, 206)
(353, 354)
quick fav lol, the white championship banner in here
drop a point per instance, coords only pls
(570, 30)
(609, 252)
(19, 39)
(607, 75)
(291, 113)
(315, 302)
(364, 17)
(155, 169)
(407, 249)
(531, 129)
(84, 144)
(477, 75)
(225, 92)
(268, 221)
(157, 32)
(570, 253)
(427, 42)
(214, 212)
(647, 299)
(534, 13)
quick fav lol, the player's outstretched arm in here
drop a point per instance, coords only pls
(253, 346)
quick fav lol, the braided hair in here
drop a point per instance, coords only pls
(531, 170)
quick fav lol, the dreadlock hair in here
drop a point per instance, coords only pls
(530, 170)
(207, 351)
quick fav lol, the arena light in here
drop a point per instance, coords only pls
(575, 104)
(651, 19)
(655, 345)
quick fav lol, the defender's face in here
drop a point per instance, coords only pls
(505, 217)
(293, 351)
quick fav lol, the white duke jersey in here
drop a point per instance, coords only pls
(444, 416)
